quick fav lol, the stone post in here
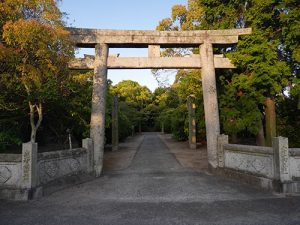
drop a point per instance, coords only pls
(210, 101)
(140, 127)
(192, 124)
(132, 130)
(98, 105)
(115, 125)
(88, 145)
(281, 159)
(222, 140)
(29, 165)
(153, 51)
(162, 128)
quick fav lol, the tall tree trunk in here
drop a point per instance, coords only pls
(32, 107)
(35, 126)
(270, 120)
(260, 137)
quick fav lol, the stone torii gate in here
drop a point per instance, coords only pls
(102, 40)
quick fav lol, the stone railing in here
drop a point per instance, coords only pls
(10, 170)
(54, 165)
(23, 176)
(294, 160)
(269, 165)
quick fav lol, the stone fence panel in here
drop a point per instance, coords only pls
(274, 168)
(24, 176)
(294, 162)
(252, 159)
(10, 170)
(54, 165)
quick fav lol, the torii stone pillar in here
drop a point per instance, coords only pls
(115, 124)
(192, 124)
(98, 105)
(211, 110)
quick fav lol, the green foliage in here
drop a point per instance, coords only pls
(261, 70)
(35, 50)
(9, 138)
(133, 93)
(288, 122)
(179, 123)
(239, 115)
(267, 61)
(133, 101)
(172, 104)
(165, 119)
(124, 126)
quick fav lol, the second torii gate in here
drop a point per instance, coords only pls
(102, 40)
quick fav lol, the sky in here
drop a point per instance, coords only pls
(125, 15)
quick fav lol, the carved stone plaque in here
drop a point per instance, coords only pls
(5, 174)
(74, 165)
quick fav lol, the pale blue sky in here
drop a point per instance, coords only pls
(121, 14)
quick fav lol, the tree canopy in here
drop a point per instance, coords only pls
(267, 61)
(35, 48)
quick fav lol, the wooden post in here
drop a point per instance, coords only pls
(210, 101)
(98, 105)
(115, 124)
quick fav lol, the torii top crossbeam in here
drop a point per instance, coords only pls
(143, 38)
(153, 40)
